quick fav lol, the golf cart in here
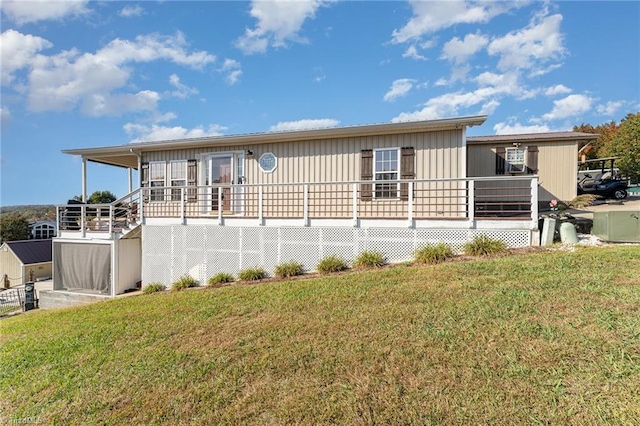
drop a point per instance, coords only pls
(601, 178)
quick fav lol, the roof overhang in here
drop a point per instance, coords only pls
(533, 137)
(127, 155)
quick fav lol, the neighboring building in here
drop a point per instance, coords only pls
(553, 157)
(225, 203)
(24, 261)
(43, 229)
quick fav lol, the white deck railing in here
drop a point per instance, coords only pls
(500, 198)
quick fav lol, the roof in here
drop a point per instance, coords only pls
(127, 155)
(31, 251)
(534, 137)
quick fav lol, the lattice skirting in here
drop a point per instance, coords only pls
(202, 251)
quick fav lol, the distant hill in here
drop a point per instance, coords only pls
(32, 212)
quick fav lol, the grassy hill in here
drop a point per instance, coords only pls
(32, 212)
(541, 338)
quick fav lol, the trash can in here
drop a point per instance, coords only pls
(30, 300)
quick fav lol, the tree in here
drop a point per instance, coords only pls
(98, 197)
(14, 227)
(626, 145)
(603, 144)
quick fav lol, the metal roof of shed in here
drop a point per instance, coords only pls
(532, 137)
(31, 251)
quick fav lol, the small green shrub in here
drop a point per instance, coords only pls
(252, 274)
(220, 278)
(433, 254)
(289, 269)
(154, 288)
(482, 245)
(331, 264)
(184, 282)
(369, 259)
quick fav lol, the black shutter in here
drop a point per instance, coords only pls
(144, 179)
(501, 152)
(192, 180)
(532, 160)
(407, 170)
(366, 173)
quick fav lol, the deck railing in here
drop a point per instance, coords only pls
(455, 199)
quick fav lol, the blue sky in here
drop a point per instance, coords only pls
(80, 74)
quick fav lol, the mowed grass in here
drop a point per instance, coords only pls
(541, 338)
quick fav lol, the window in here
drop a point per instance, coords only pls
(157, 174)
(43, 231)
(515, 160)
(178, 178)
(386, 167)
(268, 162)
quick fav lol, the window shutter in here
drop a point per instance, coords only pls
(407, 170)
(500, 162)
(366, 173)
(192, 180)
(532, 159)
(144, 179)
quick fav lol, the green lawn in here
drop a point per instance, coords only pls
(540, 338)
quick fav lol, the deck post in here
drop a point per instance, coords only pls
(534, 202)
(354, 204)
(260, 213)
(219, 205)
(83, 217)
(410, 205)
(471, 202)
(58, 219)
(84, 179)
(110, 219)
(305, 208)
(183, 192)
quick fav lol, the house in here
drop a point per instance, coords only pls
(25, 261)
(42, 229)
(553, 157)
(225, 203)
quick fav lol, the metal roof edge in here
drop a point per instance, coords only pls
(287, 136)
(541, 137)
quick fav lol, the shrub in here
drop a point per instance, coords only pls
(220, 278)
(433, 254)
(482, 245)
(369, 259)
(331, 264)
(252, 274)
(289, 269)
(154, 288)
(185, 281)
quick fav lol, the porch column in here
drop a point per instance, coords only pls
(130, 179)
(84, 180)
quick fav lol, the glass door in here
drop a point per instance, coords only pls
(224, 169)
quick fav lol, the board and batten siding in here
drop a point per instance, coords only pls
(438, 155)
(557, 166)
(11, 266)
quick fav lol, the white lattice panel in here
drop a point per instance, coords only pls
(205, 250)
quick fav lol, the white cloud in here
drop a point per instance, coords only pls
(518, 129)
(431, 16)
(183, 91)
(610, 108)
(304, 124)
(232, 68)
(18, 51)
(279, 22)
(459, 51)
(115, 104)
(530, 47)
(5, 116)
(558, 89)
(23, 12)
(399, 88)
(68, 79)
(131, 11)
(154, 132)
(570, 106)
(412, 52)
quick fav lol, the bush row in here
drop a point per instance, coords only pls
(428, 254)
